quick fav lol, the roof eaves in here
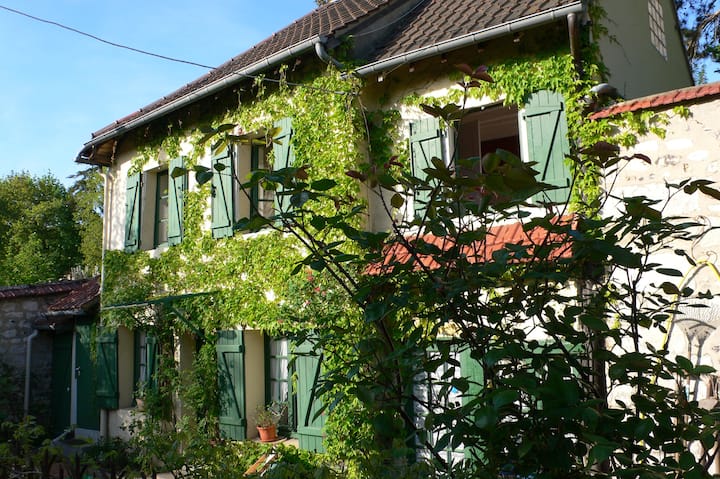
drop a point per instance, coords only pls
(523, 23)
(217, 85)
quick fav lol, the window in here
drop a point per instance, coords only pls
(161, 208)
(145, 361)
(154, 207)
(278, 378)
(537, 133)
(484, 131)
(432, 390)
(233, 165)
(657, 27)
(261, 200)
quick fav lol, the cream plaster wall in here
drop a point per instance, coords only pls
(254, 377)
(636, 67)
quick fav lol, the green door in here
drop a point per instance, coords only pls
(309, 423)
(61, 382)
(231, 384)
(88, 413)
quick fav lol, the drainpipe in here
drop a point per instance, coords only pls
(323, 55)
(108, 211)
(574, 33)
(28, 358)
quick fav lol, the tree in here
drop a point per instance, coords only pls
(39, 240)
(487, 358)
(87, 198)
(700, 26)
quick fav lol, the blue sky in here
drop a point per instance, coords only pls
(57, 87)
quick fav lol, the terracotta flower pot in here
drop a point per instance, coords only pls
(267, 434)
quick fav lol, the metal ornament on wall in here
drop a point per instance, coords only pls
(698, 316)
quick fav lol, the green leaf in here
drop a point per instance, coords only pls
(684, 363)
(669, 272)
(203, 177)
(712, 192)
(178, 171)
(323, 185)
(397, 200)
(503, 398)
(669, 288)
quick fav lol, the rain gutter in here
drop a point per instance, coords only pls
(496, 31)
(214, 87)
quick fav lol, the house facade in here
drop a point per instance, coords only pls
(181, 283)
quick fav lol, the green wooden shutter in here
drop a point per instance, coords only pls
(473, 372)
(176, 191)
(548, 144)
(107, 370)
(152, 348)
(132, 212)
(426, 143)
(309, 424)
(231, 384)
(284, 154)
(223, 196)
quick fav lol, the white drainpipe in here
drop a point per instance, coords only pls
(28, 360)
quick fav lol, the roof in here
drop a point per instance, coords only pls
(323, 21)
(81, 298)
(398, 27)
(44, 289)
(661, 100)
(439, 21)
(480, 251)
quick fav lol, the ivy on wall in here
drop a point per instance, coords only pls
(249, 278)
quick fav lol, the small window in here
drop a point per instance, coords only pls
(432, 392)
(487, 130)
(161, 208)
(657, 27)
(261, 199)
(278, 376)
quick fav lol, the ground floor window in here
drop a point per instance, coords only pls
(279, 388)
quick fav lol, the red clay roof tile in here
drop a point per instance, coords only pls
(44, 289)
(83, 297)
(661, 100)
(479, 251)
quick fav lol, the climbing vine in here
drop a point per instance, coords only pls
(248, 280)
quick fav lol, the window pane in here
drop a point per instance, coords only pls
(161, 209)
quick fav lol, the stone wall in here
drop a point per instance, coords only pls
(690, 150)
(16, 319)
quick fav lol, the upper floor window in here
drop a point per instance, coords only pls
(536, 133)
(657, 27)
(231, 167)
(154, 207)
(161, 208)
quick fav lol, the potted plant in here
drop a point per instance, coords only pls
(140, 393)
(267, 418)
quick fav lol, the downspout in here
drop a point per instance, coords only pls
(574, 33)
(28, 360)
(471, 39)
(323, 55)
(107, 213)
